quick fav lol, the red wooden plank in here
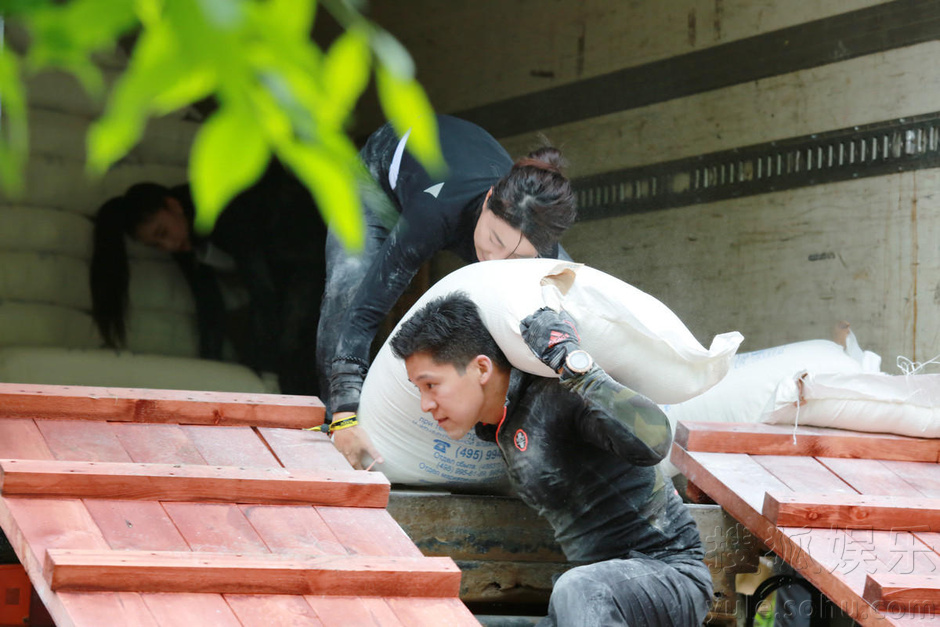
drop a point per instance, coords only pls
(181, 482)
(94, 609)
(157, 444)
(178, 571)
(914, 594)
(191, 609)
(231, 446)
(82, 441)
(450, 612)
(830, 559)
(762, 439)
(304, 449)
(171, 406)
(852, 511)
(33, 525)
(215, 527)
(351, 611)
(870, 476)
(142, 525)
(803, 474)
(924, 477)
(368, 531)
(255, 610)
(20, 438)
(293, 529)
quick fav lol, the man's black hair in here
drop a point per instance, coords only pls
(450, 330)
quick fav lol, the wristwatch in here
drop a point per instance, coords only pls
(578, 362)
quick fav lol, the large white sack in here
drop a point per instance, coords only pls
(881, 403)
(744, 393)
(634, 337)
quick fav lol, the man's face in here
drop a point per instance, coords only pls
(455, 400)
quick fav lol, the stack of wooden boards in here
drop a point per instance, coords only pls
(857, 514)
(148, 507)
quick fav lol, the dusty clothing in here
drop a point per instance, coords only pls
(273, 236)
(410, 217)
(582, 453)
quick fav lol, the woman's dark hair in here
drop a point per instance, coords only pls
(110, 274)
(449, 329)
(536, 198)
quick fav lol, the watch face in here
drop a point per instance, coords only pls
(579, 361)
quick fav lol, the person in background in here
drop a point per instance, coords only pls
(581, 450)
(485, 207)
(270, 236)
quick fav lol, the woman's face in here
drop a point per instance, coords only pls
(493, 238)
(167, 229)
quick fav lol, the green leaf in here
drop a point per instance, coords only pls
(158, 79)
(14, 139)
(392, 55)
(333, 183)
(225, 14)
(228, 154)
(294, 16)
(407, 107)
(345, 71)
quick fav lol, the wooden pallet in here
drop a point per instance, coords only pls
(155, 507)
(855, 513)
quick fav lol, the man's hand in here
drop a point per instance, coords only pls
(353, 442)
(551, 335)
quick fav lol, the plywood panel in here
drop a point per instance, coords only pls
(20, 438)
(293, 529)
(354, 611)
(368, 531)
(86, 441)
(215, 528)
(230, 446)
(158, 444)
(265, 610)
(135, 525)
(303, 449)
(94, 609)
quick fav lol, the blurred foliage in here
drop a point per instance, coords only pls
(278, 93)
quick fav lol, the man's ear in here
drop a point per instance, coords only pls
(485, 366)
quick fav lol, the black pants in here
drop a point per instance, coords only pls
(635, 592)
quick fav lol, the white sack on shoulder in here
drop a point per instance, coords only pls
(880, 403)
(637, 339)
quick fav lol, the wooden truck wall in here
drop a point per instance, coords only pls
(627, 84)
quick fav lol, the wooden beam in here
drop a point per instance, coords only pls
(226, 573)
(166, 406)
(852, 511)
(763, 439)
(187, 482)
(917, 595)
